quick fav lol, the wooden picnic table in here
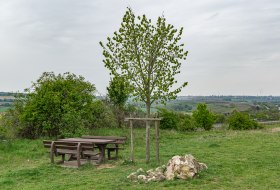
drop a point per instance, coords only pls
(100, 143)
(117, 141)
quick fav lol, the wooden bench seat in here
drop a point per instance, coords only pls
(75, 150)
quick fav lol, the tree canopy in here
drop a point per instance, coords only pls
(147, 55)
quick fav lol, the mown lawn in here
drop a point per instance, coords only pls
(236, 160)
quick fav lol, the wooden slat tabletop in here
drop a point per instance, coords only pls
(104, 137)
(95, 141)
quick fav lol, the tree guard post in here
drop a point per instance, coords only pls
(131, 141)
(147, 141)
(148, 120)
(157, 140)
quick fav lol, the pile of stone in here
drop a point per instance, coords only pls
(147, 176)
(180, 167)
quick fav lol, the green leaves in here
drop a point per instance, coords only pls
(203, 117)
(56, 105)
(242, 121)
(118, 91)
(147, 56)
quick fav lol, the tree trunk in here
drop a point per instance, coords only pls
(148, 107)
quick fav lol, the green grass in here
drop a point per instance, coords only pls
(236, 160)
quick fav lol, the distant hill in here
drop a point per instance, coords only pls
(218, 104)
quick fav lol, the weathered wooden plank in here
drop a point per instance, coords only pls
(143, 119)
(103, 137)
(84, 140)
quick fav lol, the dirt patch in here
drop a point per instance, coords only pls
(105, 166)
(274, 130)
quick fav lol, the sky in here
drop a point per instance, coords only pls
(234, 45)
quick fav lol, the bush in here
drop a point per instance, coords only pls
(186, 123)
(103, 115)
(176, 120)
(220, 118)
(169, 119)
(55, 106)
(203, 117)
(242, 121)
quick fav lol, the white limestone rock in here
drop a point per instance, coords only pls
(183, 167)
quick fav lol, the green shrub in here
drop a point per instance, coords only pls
(203, 117)
(103, 115)
(169, 120)
(220, 118)
(186, 123)
(176, 120)
(242, 121)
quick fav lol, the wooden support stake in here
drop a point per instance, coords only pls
(157, 140)
(131, 141)
(147, 141)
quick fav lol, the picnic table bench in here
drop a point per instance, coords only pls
(75, 150)
(117, 141)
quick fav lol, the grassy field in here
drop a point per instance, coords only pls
(236, 160)
(228, 107)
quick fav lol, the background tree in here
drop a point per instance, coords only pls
(203, 117)
(118, 93)
(148, 56)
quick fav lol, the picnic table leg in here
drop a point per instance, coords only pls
(62, 158)
(117, 151)
(109, 154)
(52, 152)
(101, 148)
(79, 155)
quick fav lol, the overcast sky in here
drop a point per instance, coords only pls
(234, 45)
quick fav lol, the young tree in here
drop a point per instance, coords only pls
(118, 93)
(148, 56)
(203, 117)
